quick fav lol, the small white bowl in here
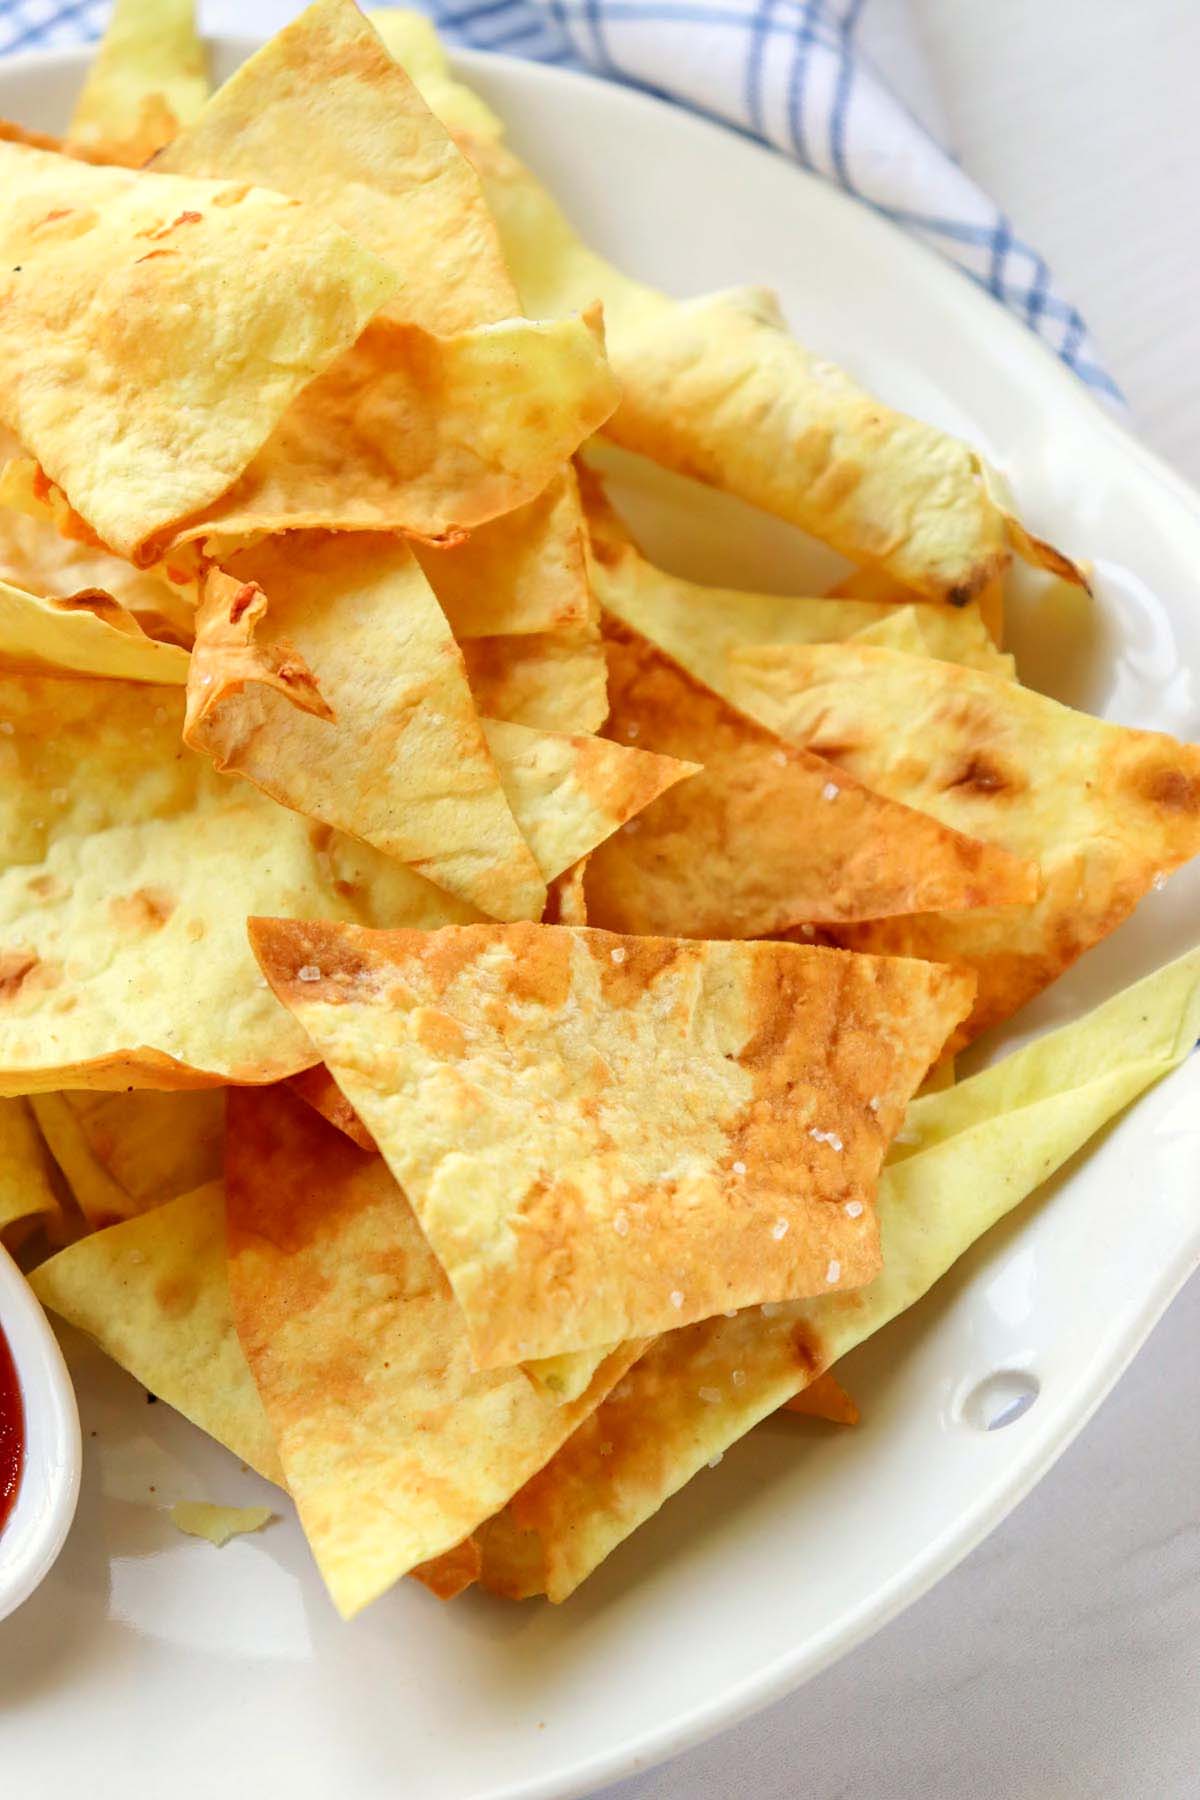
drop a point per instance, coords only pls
(37, 1526)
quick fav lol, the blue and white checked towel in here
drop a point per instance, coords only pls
(804, 75)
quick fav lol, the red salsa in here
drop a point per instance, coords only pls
(12, 1431)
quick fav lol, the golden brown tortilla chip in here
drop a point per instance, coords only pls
(524, 572)
(154, 330)
(317, 1088)
(89, 634)
(450, 1575)
(131, 867)
(393, 1447)
(765, 836)
(148, 78)
(554, 680)
(985, 1145)
(1106, 811)
(825, 1398)
(400, 758)
(122, 1154)
(607, 1136)
(154, 1295)
(26, 1181)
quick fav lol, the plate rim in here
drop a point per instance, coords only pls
(789, 1671)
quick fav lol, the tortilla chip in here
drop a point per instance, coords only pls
(553, 680)
(907, 628)
(875, 584)
(1106, 811)
(701, 626)
(26, 1182)
(89, 634)
(593, 1130)
(122, 1154)
(154, 330)
(825, 1398)
(154, 1295)
(410, 37)
(148, 78)
(450, 1575)
(765, 836)
(524, 572)
(317, 1088)
(400, 758)
(218, 1524)
(394, 1448)
(569, 793)
(988, 1143)
(323, 112)
(131, 868)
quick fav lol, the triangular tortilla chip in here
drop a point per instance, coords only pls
(1106, 811)
(990, 1141)
(717, 389)
(154, 1295)
(131, 868)
(26, 1183)
(181, 317)
(571, 792)
(122, 1154)
(607, 1136)
(148, 78)
(701, 626)
(89, 634)
(554, 680)
(765, 836)
(323, 112)
(825, 1398)
(393, 1447)
(400, 759)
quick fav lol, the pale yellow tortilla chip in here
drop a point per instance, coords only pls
(393, 1447)
(123, 1153)
(154, 330)
(700, 626)
(131, 868)
(218, 1524)
(324, 113)
(148, 78)
(26, 1182)
(411, 38)
(875, 584)
(89, 634)
(987, 1144)
(605, 1136)
(766, 836)
(908, 628)
(153, 1293)
(571, 792)
(554, 680)
(400, 758)
(1106, 811)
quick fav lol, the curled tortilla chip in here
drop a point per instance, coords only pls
(987, 1145)
(26, 1182)
(154, 330)
(148, 78)
(570, 793)
(393, 1446)
(89, 634)
(603, 1137)
(766, 836)
(398, 757)
(218, 1524)
(122, 1154)
(825, 1398)
(554, 680)
(154, 1294)
(1107, 812)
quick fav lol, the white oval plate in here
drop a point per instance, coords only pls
(150, 1660)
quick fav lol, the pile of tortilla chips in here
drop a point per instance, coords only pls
(476, 1009)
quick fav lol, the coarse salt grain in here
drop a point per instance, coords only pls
(779, 1229)
(738, 1378)
(621, 1224)
(781, 758)
(908, 1137)
(830, 791)
(632, 825)
(854, 1209)
(676, 1299)
(714, 1460)
(631, 731)
(731, 1312)
(769, 1308)
(710, 1396)
(739, 1167)
(1159, 882)
(825, 1137)
(309, 972)
(834, 1271)
(617, 955)
(873, 1103)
